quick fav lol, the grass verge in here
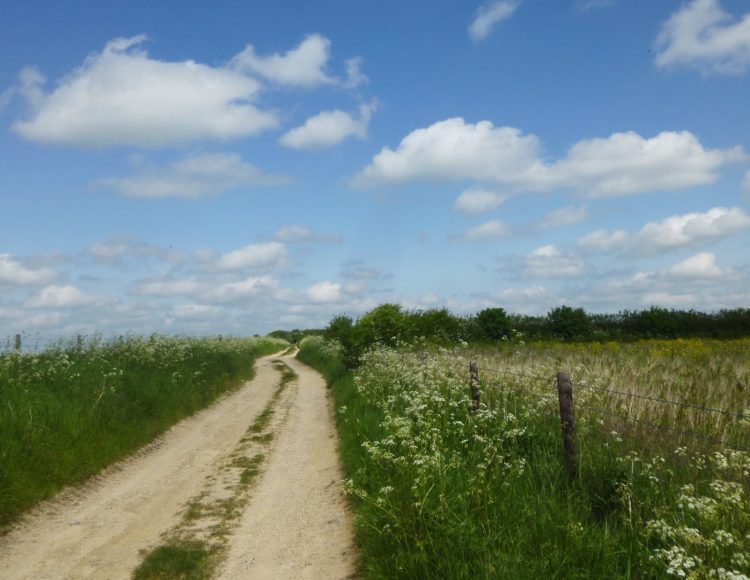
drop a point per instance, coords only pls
(196, 546)
(69, 412)
(441, 492)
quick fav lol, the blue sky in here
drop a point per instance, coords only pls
(235, 167)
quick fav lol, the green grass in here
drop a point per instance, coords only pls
(178, 561)
(67, 413)
(440, 492)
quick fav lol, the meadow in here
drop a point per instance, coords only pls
(75, 408)
(663, 432)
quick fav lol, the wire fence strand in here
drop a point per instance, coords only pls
(682, 404)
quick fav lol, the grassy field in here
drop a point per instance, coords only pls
(70, 411)
(442, 492)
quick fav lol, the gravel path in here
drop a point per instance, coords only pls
(296, 524)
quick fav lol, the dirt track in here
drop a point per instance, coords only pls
(295, 525)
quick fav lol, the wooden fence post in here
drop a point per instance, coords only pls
(17, 344)
(476, 394)
(568, 419)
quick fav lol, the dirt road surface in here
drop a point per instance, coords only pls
(296, 524)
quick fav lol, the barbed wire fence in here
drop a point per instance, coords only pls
(559, 388)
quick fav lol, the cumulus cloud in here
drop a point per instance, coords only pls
(324, 292)
(603, 240)
(564, 216)
(303, 66)
(329, 128)
(264, 255)
(618, 165)
(702, 35)
(626, 163)
(490, 230)
(490, 15)
(121, 96)
(194, 177)
(453, 150)
(478, 201)
(746, 182)
(690, 229)
(550, 262)
(63, 297)
(702, 265)
(14, 272)
(238, 290)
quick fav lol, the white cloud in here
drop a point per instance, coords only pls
(324, 292)
(453, 150)
(621, 164)
(329, 128)
(691, 229)
(478, 201)
(121, 96)
(490, 15)
(701, 34)
(549, 262)
(564, 216)
(14, 272)
(303, 66)
(354, 74)
(263, 255)
(63, 297)
(208, 289)
(604, 241)
(231, 291)
(746, 182)
(626, 163)
(194, 177)
(702, 265)
(490, 230)
(297, 233)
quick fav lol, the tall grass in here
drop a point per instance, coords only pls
(647, 376)
(70, 411)
(442, 492)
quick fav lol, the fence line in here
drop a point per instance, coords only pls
(682, 404)
(690, 434)
(567, 411)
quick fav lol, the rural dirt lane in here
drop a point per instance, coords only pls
(296, 524)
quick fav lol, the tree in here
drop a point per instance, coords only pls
(385, 324)
(569, 323)
(493, 324)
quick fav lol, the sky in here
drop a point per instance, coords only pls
(237, 167)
